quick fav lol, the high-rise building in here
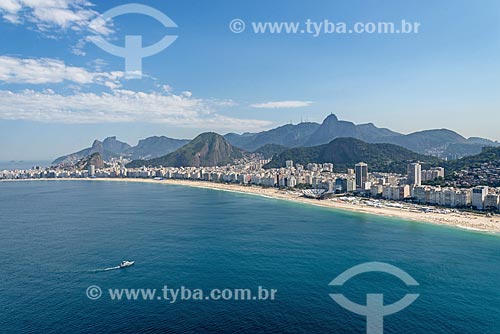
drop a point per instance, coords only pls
(439, 171)
(491, 202)
(341, 185)
(478, 196)
(396, 193)
(91, 170)
(350, 185)
(376, 190)
(361, 171)
(463, 198)
(414, 174)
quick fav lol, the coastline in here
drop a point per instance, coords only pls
(462, 220)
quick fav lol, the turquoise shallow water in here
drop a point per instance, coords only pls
(55, 235)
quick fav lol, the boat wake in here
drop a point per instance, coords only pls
(123, 264)
(106, 269)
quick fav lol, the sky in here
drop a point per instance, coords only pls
(59, 91)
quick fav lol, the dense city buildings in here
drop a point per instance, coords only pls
(478, 175)
(316, 180)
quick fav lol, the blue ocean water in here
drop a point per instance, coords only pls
(16, 165)
(56, 235)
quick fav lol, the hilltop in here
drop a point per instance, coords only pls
(207, 149)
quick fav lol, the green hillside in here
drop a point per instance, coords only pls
(344, 153)
(208, 149)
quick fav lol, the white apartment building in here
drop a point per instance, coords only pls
(396, 193)
(376, 190)
(414, 174)
(432, 174)
(328, 167)
(463, 198)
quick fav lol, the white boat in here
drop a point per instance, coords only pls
(125, 264)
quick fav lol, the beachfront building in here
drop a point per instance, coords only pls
(419, 194)
(244, 178)
(478, 196)
(396, 193)
(318, 176)
(448, 197)
(345, 185)
(387, 193)
(491, 202)
(361, 172)
(91, 170)
(351, 185)
(376, 190)
(463, 198)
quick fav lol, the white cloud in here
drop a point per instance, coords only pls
(167, 88)
(79, 48)
(76, 15)
(121, 106)
(10, 6)
(46, 70)
(118, 106)
(282, 104)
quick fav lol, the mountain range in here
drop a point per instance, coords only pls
(207, 149)
(442, 143)
(109, 148)
(149, 148)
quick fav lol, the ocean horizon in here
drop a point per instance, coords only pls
(23, 164)
(62, 237)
